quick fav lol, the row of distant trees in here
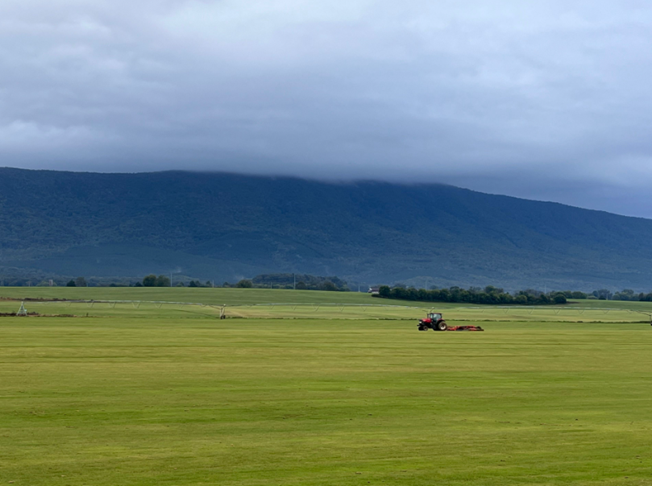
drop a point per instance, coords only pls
(78, 282)
(496, 295)
(489, 295)
(300, 281)
(604, 294)
(148, 281)
(294, 281)
(273, 281)
(164, 281)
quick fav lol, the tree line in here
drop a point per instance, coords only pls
(266, 281)
(604, 294)
(490, 295)
(497, 296)
(626, 294)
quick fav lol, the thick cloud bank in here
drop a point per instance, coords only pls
(541, 99)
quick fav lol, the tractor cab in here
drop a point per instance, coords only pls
(434, 321)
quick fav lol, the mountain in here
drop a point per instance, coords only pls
(225, 227)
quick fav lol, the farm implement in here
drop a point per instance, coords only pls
(436, 322)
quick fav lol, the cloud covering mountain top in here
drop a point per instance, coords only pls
(547, 100)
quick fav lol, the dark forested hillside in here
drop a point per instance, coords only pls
(224, 226)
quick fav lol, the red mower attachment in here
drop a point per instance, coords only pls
(436, 322)
(465, 328)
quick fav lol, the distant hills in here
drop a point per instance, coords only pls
(225, 227)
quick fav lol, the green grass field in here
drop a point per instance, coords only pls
(217, 296)
(167, 394)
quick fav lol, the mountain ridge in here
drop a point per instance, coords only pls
(223, 226)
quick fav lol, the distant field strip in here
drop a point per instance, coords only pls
(301, 310)
(124, 308)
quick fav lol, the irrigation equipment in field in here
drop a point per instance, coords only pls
(22, 311)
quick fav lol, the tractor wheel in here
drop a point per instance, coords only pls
(442, 326)
(422, 328)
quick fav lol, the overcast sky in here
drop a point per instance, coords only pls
(547, 100)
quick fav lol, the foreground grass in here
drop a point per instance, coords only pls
(140, 401)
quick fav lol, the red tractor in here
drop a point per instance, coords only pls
(436, 322)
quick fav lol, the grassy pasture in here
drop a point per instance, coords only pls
(218, 296)
(168, 394)
(275, 304)
(382, 310)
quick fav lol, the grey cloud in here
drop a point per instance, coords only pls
(547, 99)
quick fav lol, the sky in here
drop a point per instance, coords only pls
(547, 100)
